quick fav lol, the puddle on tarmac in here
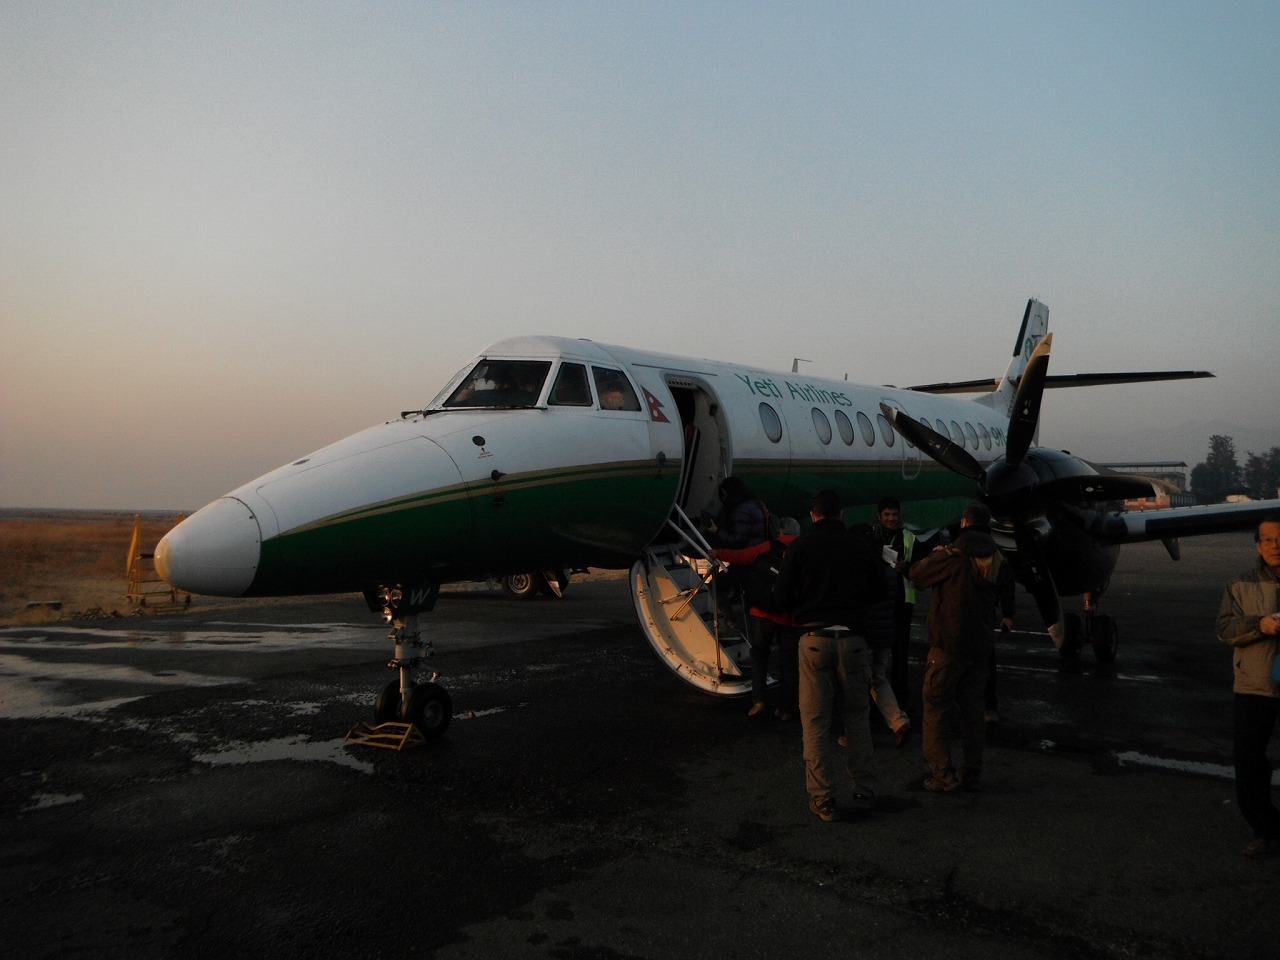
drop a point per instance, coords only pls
(1219, 771)
(42, 801)
(287, 748)
(37, 689)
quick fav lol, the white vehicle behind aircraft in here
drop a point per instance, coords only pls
(547, 453)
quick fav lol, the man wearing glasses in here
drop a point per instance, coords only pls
(1249, 622)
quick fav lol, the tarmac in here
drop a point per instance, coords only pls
(180, 785)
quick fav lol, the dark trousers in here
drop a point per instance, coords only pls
(1255, 720)
(953, 689)
(766, 634)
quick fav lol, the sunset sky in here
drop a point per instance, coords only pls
(231, 233)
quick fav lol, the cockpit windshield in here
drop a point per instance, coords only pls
(501, 383)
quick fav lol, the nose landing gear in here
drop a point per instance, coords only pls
(425, 705)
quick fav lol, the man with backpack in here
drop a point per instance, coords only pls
(768, 626)
(969, 579)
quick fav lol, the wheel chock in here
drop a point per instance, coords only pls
(390, 736)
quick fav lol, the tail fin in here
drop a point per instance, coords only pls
(1035, 324)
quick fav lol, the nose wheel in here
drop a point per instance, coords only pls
(428, 705)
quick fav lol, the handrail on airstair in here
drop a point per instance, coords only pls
(690, 534)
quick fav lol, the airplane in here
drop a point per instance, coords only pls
(550, 454)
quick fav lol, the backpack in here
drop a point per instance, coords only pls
(772, 525)
(763, 575)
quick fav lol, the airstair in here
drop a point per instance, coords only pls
(674, 589)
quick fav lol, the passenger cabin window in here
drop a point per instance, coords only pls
(868, 431)
(771, 422)
(971, 434)
(501, 383)
(822, 425)
(957, 437)
(845, 428)
(614, 390)
(886, 429)
(986, 437)
(571, 389)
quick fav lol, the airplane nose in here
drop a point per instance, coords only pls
(215, 551)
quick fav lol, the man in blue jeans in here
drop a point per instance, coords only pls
(1249, 622)
(827, 581)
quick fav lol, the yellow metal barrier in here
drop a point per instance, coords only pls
(140, 571)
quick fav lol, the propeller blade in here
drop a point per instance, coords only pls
(940, 448)
(1033, 573)
(1025, 416)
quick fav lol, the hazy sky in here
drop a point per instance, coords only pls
(231, 233)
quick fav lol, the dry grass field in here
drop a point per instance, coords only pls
(73, 565)
(76, 559)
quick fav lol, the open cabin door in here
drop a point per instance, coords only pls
(673, 585)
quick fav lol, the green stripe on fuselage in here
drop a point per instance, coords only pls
(591, 515)
(594, 514)
(932, 498)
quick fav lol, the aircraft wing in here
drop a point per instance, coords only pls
(1171, 522)
(1066, 380)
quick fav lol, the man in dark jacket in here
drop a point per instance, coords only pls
(827, 581)
(742, 521)
(968, 579)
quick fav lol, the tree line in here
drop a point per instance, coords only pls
(1220, 475)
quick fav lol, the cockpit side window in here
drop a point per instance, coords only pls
(571, 389)
(501, 383)
(615, 390)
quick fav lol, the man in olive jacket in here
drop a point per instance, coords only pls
(1249, 622)
(968, 579)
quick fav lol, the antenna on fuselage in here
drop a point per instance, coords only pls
(795, 364)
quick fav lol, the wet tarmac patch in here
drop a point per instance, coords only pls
(286, 748)
(1218, 771)
(43, 801)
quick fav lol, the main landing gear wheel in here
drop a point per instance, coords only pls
(1098, 629)
(521, 586)
(1105, 637)
(526, 586)
(1072, 636)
